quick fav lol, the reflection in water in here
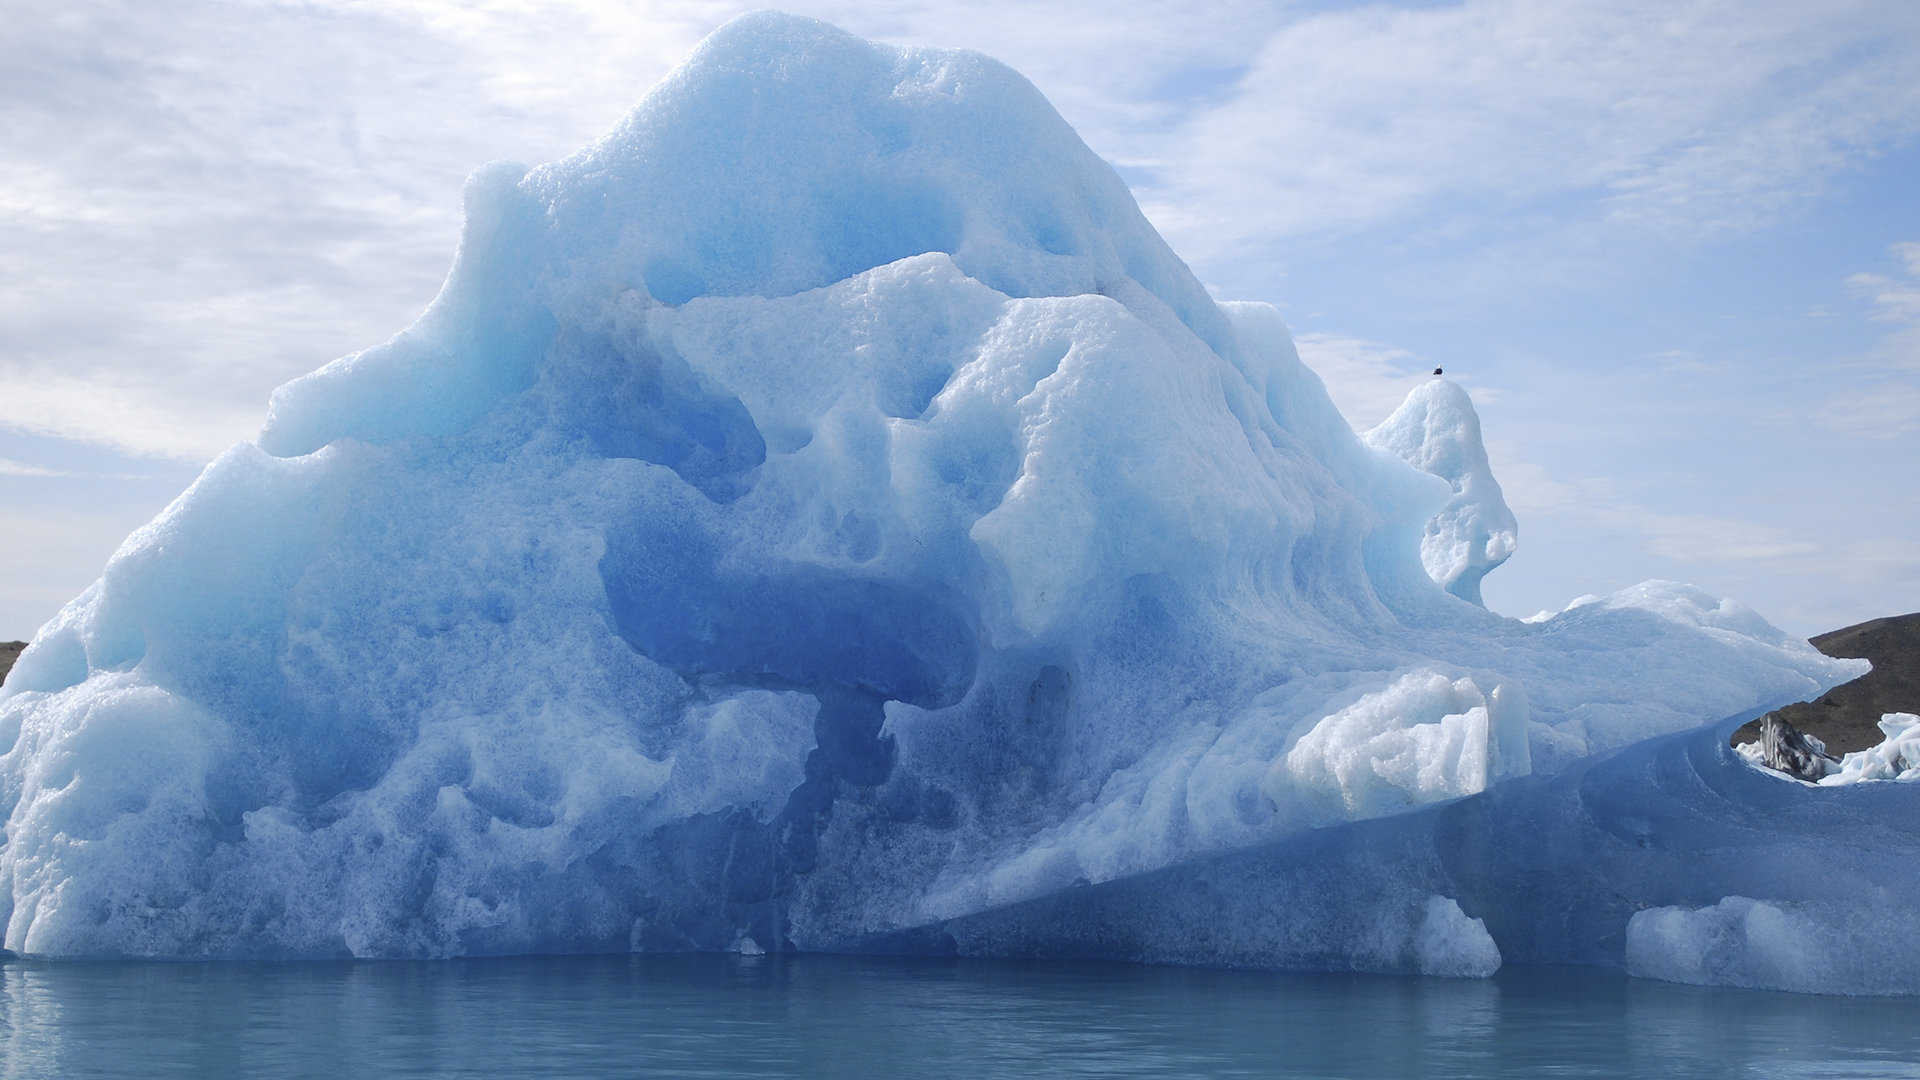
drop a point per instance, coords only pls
(31, 1024)
(723, 1016)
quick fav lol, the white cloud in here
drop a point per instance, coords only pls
(1882, 400)
(9, 467)
(1703, 540)
(1675, 115)
(129, 418)
(1851, 580)
(1886, 410)
(1687, 362)
(1366, 379)
(1894, 299)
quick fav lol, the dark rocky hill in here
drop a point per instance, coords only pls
(1846, 717)
(9, 652)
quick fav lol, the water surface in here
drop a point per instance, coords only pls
(814, 1016)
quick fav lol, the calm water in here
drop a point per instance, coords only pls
(717, 1016)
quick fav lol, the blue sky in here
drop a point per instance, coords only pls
(1672, 247)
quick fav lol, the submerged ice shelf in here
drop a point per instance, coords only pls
(820, 512)
(1646, 858)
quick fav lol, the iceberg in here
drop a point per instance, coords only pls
(824, 514)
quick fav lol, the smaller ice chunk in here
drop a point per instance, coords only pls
(1424, 738)
(1451, 944)
(1786, 749)
(1752, 752)
(1763, 945)
(1437, 431)
(1896, 758)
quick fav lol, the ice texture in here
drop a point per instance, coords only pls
(1436, 430)
(821, 512)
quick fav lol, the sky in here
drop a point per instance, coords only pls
(1672, 247)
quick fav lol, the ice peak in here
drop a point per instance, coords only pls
(783, 156)
(786, 154)
(1437, 431)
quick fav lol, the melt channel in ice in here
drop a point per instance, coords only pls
(819, 513)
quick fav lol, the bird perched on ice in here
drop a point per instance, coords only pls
(1436, 371)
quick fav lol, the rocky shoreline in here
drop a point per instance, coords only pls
(9, 652)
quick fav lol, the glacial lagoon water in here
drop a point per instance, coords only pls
(818, 1016)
